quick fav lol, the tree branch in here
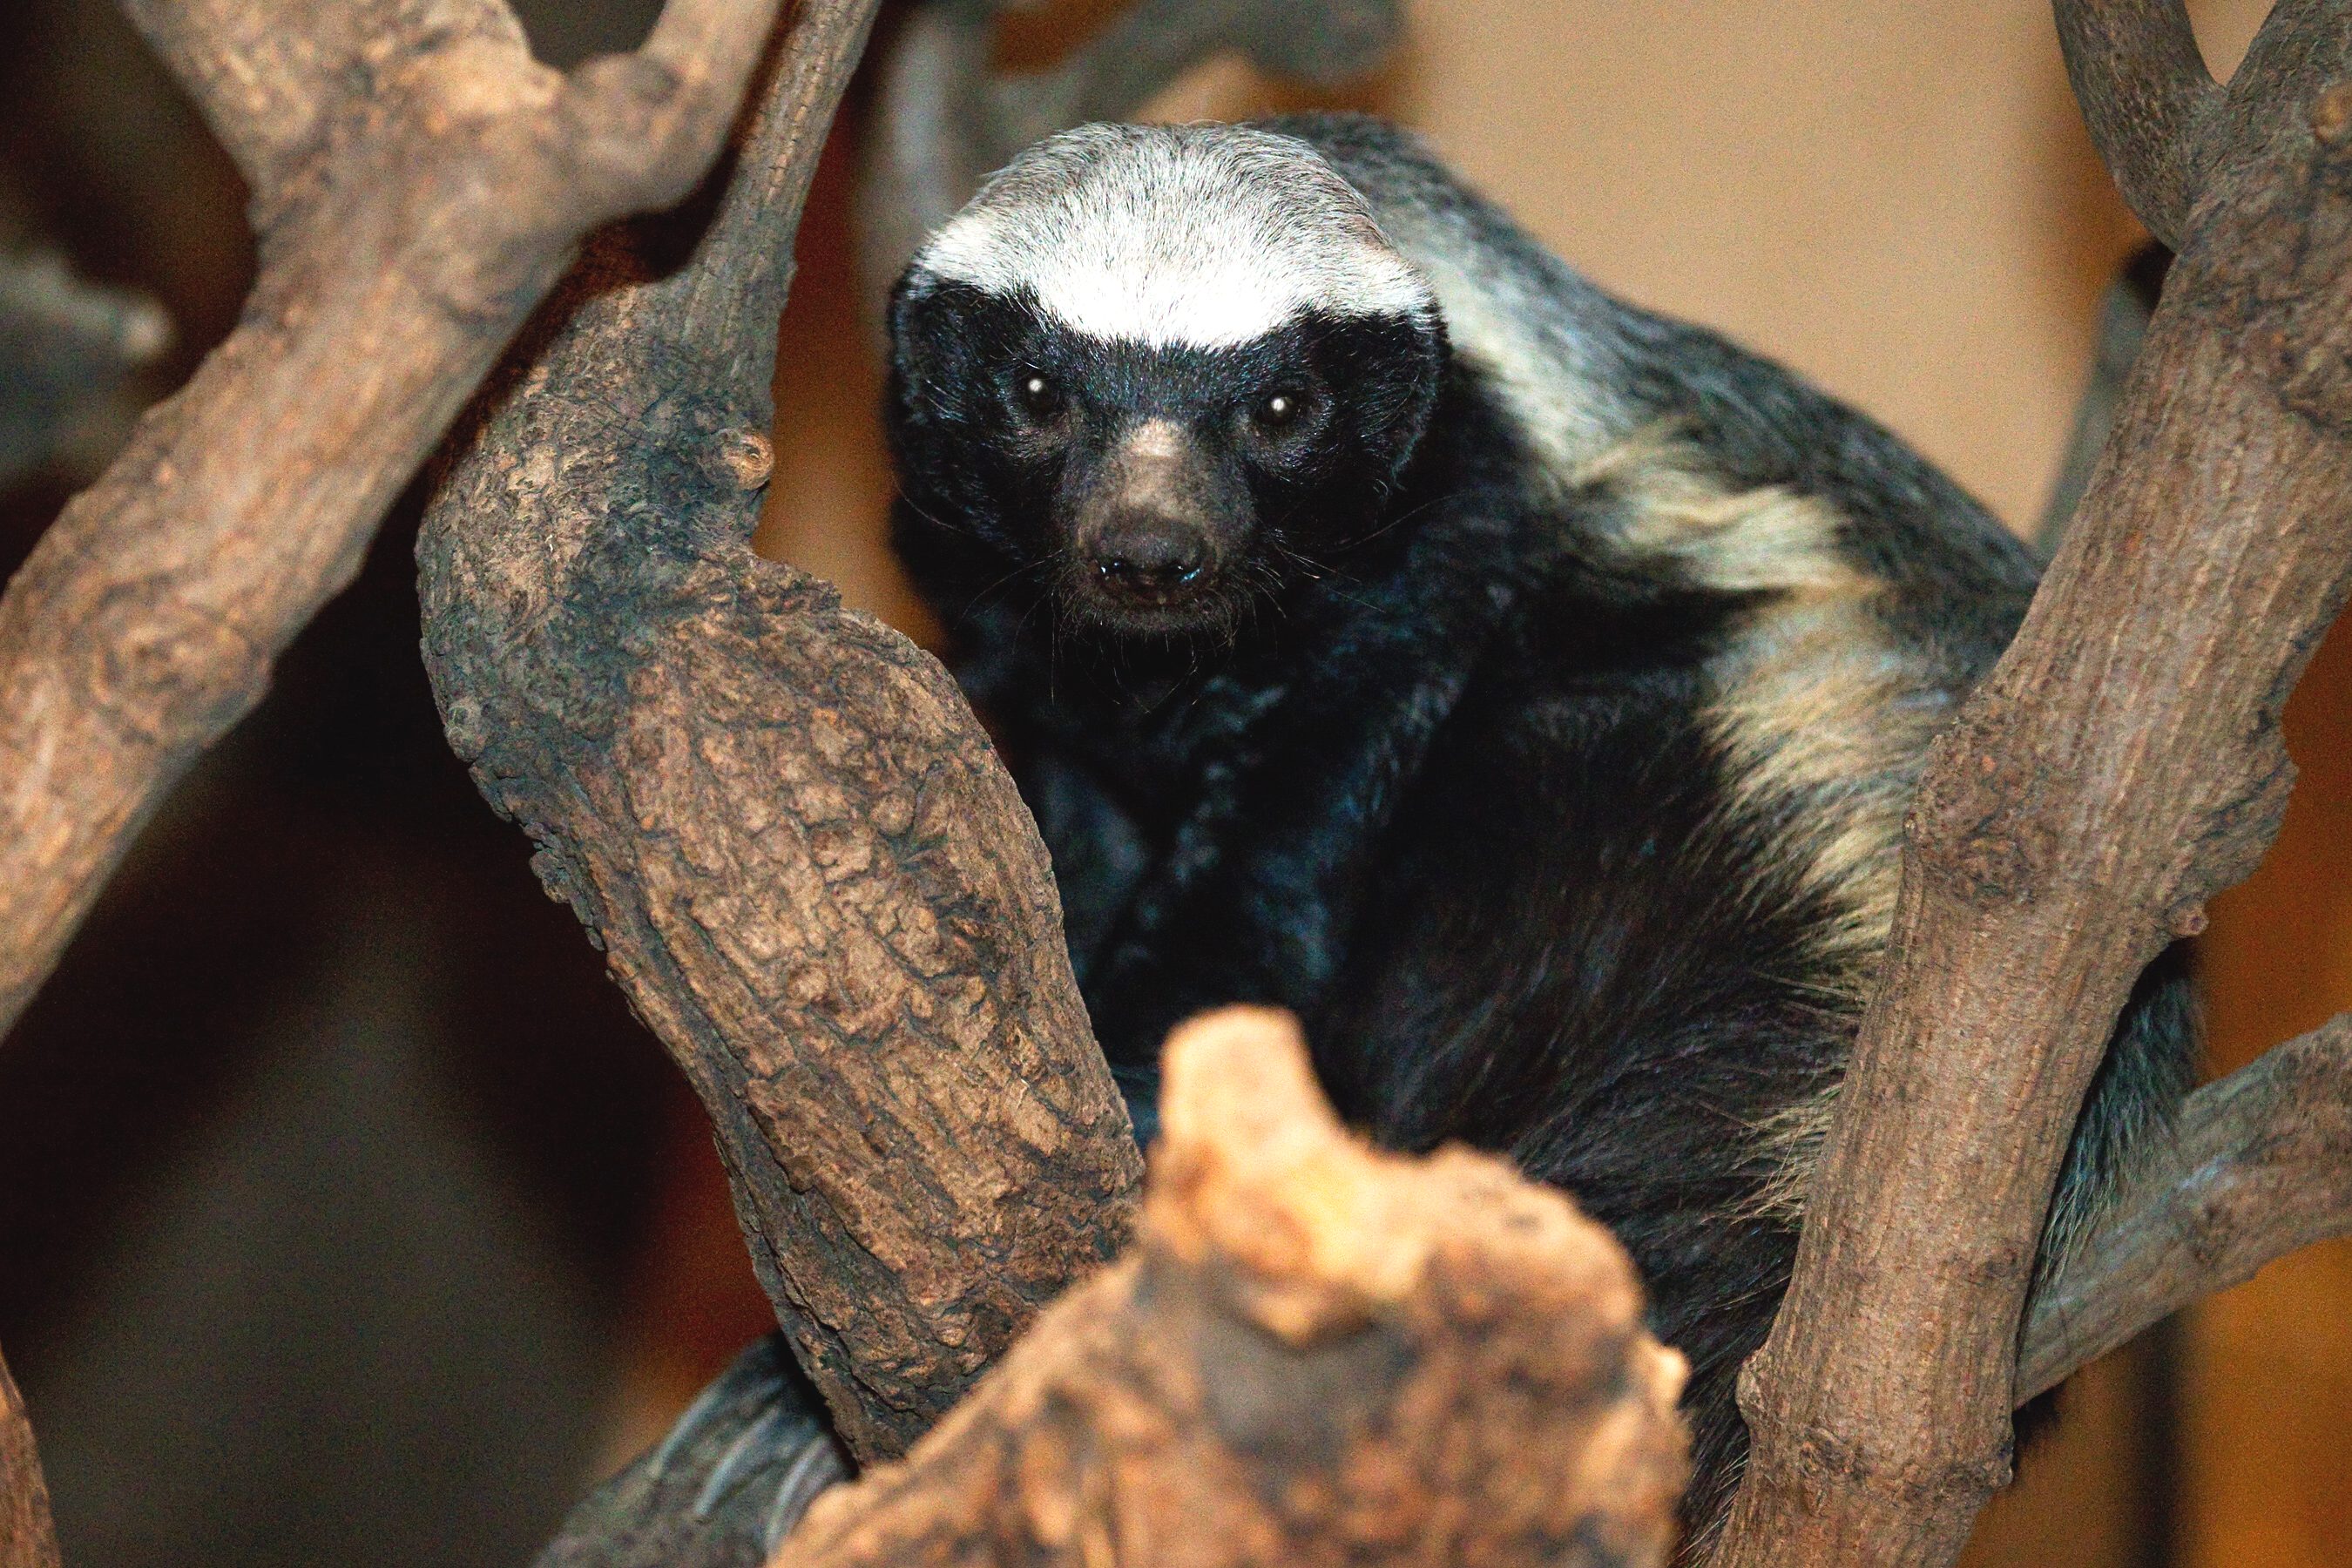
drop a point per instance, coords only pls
(27, 1538)
(2143, 87)
(1315, 1354)
(2260, 1166)
(410, 239)
(778, 818)
(2121, 764)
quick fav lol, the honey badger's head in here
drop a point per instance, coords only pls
(1159, 369)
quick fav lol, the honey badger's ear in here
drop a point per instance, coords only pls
(944, 339)
(1392, 367)
(920, 328)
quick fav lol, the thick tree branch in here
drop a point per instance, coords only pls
(2143, 86)
(945, 119)
(2260, 1166)
(437, 206)
(1315, 1354)
(2121, 764)
(779, 818)
(27, 1538)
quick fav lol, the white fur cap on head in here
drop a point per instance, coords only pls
(1194, 236)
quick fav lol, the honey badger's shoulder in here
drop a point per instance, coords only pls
(1872, 592)
(1860, 592)
(1581, 372)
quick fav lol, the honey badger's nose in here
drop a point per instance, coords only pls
(1148, 557)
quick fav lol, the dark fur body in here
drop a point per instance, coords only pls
(1564, 805)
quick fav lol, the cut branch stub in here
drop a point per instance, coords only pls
(1316, 1354)
(2121, 765)
(779, 818)
(66, 350)
(422, 183)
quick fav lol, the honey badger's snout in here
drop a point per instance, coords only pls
(1154, 525)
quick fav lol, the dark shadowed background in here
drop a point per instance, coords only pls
(346, 1216)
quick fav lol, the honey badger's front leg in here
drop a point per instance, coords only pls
(1254, 897)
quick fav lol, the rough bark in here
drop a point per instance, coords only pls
(27, 1538)
(2121, 764)
(945, 118)
(1315, 1354)
(2261, 1165)
(420, 182)
(779, 819)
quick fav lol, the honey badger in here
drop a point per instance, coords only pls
(1384, 622)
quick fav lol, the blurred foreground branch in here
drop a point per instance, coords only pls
(1315, 1354)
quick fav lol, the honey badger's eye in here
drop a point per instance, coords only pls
(1278, 411)
(1036, 394)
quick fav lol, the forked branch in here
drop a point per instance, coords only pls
(2121, 765)
(1315, 1354)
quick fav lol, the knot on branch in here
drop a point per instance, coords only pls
(163, 670)
(739, 459)
(1316, 1354)
(2235, 829)
(1978, 821)
(2001, 820)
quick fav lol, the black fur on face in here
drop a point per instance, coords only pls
(1149, 491)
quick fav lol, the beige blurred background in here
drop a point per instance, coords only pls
(1900, 201)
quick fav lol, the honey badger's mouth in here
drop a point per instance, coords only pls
(1182, 601)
